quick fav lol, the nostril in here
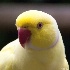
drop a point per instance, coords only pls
(25, 26)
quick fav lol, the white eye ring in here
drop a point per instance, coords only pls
(39, 25)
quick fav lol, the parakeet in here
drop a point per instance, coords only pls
(39, 45)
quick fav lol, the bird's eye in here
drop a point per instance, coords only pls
(39, 25)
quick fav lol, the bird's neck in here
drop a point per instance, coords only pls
(57, 52)
(44, 56)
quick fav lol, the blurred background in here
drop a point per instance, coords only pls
(10, 9)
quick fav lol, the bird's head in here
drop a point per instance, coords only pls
(36, 29)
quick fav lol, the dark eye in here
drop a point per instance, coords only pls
(39, 25)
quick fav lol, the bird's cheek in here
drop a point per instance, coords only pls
(23, 35)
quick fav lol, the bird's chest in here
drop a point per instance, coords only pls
(33, 64)
(35, 61)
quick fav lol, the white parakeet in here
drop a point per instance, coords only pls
(39, 45)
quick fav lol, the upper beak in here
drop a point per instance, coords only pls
(23, 35)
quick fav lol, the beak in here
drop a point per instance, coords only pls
(23, 35)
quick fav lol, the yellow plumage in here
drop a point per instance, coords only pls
(45, 50)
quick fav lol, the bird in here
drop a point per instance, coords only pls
(39, 45)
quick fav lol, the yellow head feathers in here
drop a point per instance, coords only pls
(42, 37)
(33, 17)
